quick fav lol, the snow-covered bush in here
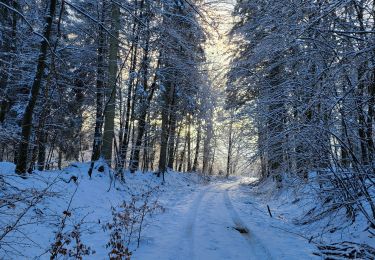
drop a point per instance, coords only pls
(128, 220)
(20, 207)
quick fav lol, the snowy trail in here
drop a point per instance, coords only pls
(206, 225)
(218, 229)
(258, 249)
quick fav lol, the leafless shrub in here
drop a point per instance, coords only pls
(128, 221)
(67, 242)
(19, 208)
(346, 250)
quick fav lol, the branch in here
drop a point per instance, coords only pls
(24, 18)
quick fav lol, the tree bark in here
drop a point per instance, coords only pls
(28, 115)
(197, 147)
(9, 48)
(207, 144)
(172, 133)
(189, 144)
(134, 160)
(42, 133)
(182, 155)
(175, 162)
(98, 135)
(230, 145)
(167, 95)
(110, 110)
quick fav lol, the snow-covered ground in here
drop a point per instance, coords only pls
(191, 218)
(299, 208)
(215, 221)
(86, 202)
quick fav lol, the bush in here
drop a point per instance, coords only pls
(127, 223)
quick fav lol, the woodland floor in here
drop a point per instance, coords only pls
(197, 218)
(217, 221)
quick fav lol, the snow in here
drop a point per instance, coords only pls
(202, 225)
(199, 219)
(291, 207)
(91, 204)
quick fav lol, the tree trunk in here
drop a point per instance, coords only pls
(172, 134)
(175, 162)
(145, 101)
(129, 107)
(110, 109)
(146, 146)
(42, 149)
(207, 145)
(153, 138)
(210, 171)
(42, 133)
(182, 155)
(28, 115)
(6, 70)
(189, 145)
(167, 95)
(134, 160)
(197, 147)
(98, 135)
(230, 145)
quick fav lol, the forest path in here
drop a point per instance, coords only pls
(206, 225)
(218, 232)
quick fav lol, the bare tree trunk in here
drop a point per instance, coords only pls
(10, 46)
(98, 135)
(175, 161)
(42, 133)
(172, 134)
(146, 147)
(130, 96)
(28, 115)
(129, 106)
(134, 160)
(164, 142)
(34, 154)
(182, 155)
(212, 160)
(110, 109)
(42, 149)
(230, 145)
(189, 144)
(152, 145)
(125, 139)
(42, 137)
(195, 164)
(207, 145)
(167, 96)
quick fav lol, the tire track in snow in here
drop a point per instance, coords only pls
(259, 249)
(191, 220)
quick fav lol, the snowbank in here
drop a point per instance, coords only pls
(34, 210)
(299, 208)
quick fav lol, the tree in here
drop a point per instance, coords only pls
(28, 114)
(181, 57)
(299, 73)
(110, 108)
